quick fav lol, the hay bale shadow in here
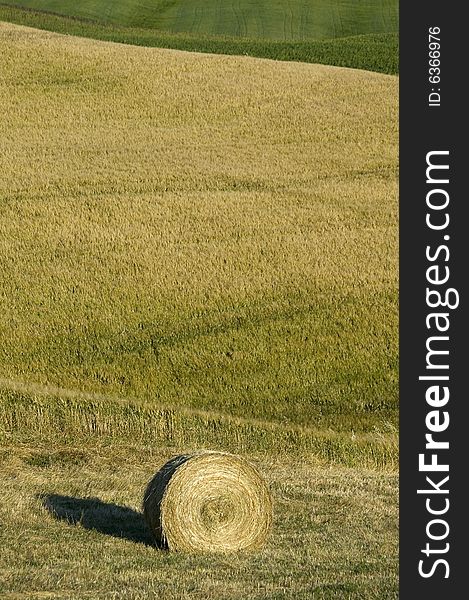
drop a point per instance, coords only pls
(153, 497)
(104, 517)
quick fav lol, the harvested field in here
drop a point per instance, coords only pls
(334, 531)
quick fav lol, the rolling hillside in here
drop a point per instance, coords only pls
(361, 35)
(196, 251)
(208, 232)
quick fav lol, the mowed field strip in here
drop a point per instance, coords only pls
(78, 509)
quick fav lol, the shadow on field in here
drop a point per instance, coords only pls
(104, 517)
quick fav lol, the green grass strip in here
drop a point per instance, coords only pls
(26, 416)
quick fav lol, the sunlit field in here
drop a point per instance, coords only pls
(195, 251)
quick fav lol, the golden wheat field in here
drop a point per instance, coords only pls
(213, 231)
(195, 251)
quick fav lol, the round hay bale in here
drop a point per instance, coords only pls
(208, 502)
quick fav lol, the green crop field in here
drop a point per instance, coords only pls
(195, 251)
(72, 529)
(267, 19)
(361, 35)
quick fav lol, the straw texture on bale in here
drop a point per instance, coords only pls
(208, 502)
